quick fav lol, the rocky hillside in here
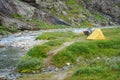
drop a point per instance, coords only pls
(35, 14)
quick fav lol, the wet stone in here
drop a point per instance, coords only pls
(3, 77)
(2, 45)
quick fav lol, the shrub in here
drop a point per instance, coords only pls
(27, 64)
(89, 70)
(38, 51)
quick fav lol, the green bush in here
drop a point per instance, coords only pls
(27, 64)
(38, 51)
(89, 70)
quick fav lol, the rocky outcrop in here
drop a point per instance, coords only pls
(20, 13)
(11, 9)
(17, 14)
(15, 24)
(109, 8)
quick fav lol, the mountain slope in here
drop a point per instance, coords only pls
(35, 14)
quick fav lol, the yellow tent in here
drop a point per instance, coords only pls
(96, 35)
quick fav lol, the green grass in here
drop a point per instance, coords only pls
(7, 30)
(27, 64)
(56, 43)
(99, 17)
(106, 67)
(94, 73)
(89, 70)
(39, 51)
(39, 24)
(17, 16)
(89, 49)
(70, 2)
(3, 30)
(33, 59)
(57, 38)
(98, 59)
(56, 35)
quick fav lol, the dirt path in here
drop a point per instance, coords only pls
(59, 76)
(51, 53)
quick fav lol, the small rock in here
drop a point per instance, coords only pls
(18, 34)
(65, 67)
(56, 69)
(64, 13)
(98, 58)
(2, 45)
(33, 72)
(68, 64)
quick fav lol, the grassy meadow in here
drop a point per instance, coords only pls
(90, 59)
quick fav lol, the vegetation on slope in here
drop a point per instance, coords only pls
(6, 30)
(71, 11)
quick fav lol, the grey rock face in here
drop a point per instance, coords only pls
(9, 8)
(16, 24)
(109, 8)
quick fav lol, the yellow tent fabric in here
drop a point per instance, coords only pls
(96, 35)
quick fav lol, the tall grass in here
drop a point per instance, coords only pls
(89, 70)
(38, 51)
(32, 61)
(28, 64)
(94, 73)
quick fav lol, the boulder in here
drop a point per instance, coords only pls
(15, 24)
(3, 77)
